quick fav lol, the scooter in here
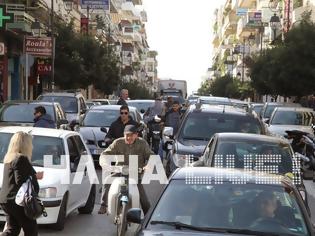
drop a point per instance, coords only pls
(121, 197)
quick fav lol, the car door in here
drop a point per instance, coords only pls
(75, 191)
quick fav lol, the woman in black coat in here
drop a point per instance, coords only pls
(17, 169)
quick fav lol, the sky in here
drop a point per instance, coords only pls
(181, 32)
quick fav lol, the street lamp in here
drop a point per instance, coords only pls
(68, 5)
(275, 24)
(36, 28)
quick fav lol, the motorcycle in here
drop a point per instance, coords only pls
(155, 133)
(121, 197)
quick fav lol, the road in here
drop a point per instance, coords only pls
(99, 225)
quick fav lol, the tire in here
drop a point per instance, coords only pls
(122, 227)
(60, 224)
(89, 205)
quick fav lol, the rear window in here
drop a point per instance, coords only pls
(68, 104)
(304, 118)
(22, 113)
(202, 126)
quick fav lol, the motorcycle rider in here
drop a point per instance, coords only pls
(116, 129)
(130, 144)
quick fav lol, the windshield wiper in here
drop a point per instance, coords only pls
(179, 225)
(195, 138)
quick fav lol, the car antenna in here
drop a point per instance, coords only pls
(223, 108)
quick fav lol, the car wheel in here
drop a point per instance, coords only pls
(60, 224)
(89, 206)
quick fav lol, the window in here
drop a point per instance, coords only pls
(80, 145)
(74, 154)
(82, 104)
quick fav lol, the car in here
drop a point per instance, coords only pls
(256, 107)
(72, 102)
(113, 101)
(212, 201)
(240, 150)
(291, 118)
(21, 113)
(102, 101)
(90, 103)
(211, 100)
(270, 106)
(59, 197)
(141, 105)
(200, 123)
(179, 99)
(95, 124)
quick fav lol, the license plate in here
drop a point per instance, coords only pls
(97, 151)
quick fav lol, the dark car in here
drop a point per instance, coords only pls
(21, 113)
(200, 123)
(211, 201)
(269, 107)
(253, 152)
(214, 100)
(97, 118)
(72, 102)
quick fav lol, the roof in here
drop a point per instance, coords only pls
(256, 137)
(141, 101)
(189, 173)
(110, 107)
(219, 109)
(294, 109)
(30, 102)
(37, 131)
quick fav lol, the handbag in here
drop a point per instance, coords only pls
(33, 206)
(19, 198)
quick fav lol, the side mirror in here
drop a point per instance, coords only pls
(64, 122)
(267, 121)
(168, 131)
(83, 110)
(104, 130)
(134, 215)
(142, 111)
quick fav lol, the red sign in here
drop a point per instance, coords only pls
(38, 46)
(84, 25)
(43, 69)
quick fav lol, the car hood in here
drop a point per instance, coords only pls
(280, 129)
(9, 123)
(92, 133)
(192, 147)
(178, 232)
(52, 176)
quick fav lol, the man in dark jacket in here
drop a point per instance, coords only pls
(123, 97)
(116, 129)
(42, 119)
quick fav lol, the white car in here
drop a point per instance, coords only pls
(59, 198)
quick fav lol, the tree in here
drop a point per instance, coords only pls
(225, 86)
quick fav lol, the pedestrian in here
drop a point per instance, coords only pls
(116, 129)
(17, 169)
(42, 119)
(133, 145)
(168, 105)
(123, 97)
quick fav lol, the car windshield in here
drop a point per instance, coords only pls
(253, 152)
(304, 118)
(68, 104)
(257, 108)
(102, 118)
(270, 108)
(42, 145)
(203, 125)
(256, 207)
(141, 105)
(22, 113)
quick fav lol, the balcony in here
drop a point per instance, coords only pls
(22, 20)
(128, 32)
(230, 24)
(137, 37)
(249, 4)
(216, 40)
(243, 28)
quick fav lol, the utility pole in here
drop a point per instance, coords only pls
(53, 46)
(243, 56)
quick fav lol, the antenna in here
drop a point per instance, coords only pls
(223, 108)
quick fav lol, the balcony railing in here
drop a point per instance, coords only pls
(22, 20)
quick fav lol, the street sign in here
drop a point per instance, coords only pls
(241, 11)
(95, 4)
(2, 49)
(254, 19)
(5, 17)
(38, 46)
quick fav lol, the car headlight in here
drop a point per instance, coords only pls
(47, 193)
(181, 160)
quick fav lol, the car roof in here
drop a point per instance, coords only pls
(246, 137)
(211, 98)
(30, 102)
(38, 131)
(110, 107)
(219, 109)
(294, 109)
(140, 101)
(61, 94)
(197, 174)
(287, 104)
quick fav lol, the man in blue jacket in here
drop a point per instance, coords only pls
(42, 119)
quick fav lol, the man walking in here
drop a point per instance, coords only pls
(42, 119)
(123, 97)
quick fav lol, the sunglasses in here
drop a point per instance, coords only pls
(123, 113)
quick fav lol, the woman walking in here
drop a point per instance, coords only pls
(17, 169)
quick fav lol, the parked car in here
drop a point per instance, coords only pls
(200, 123)
(248, 150)
(291, 118)
(270, 106)
(100, 118)
(21, 113)
(72, 102)
(141, 105)
(196, 202)
(59, 198)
